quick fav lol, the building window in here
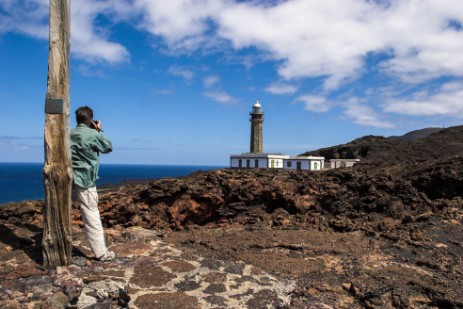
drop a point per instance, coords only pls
(240, 163)
(288, 164)
(248, 163)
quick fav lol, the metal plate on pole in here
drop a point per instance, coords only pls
(54, 106)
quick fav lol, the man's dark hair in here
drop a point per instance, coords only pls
(84, 114)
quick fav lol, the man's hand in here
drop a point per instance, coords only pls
(97, 125)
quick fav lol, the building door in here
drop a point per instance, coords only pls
(272, 163)
(315, 165)
(299, 166)
(240, 163)
(248, 163)
(256, 163)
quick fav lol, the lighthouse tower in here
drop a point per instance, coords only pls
(257, 118)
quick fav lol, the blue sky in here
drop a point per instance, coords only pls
(173, 82)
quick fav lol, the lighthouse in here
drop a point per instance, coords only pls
(257, 118)
(256, 158)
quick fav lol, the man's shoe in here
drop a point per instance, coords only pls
(108, 256)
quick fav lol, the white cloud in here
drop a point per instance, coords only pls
(329, 40)
(209, 81)
(182, 72)
(183, 24)
(425, 45)
(88, 41)
(221, 97)
(447, 100)
(29, 17)
(312, 38)
(317, 38)
(365, 115)
(281, 88)
(315, 103)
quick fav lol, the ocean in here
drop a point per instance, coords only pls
(24, 181)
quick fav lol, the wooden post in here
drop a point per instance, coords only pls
(57, 171)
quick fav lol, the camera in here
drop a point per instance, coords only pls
(95, 125)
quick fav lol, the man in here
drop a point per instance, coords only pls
(87, 142)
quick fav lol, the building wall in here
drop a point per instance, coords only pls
(342, 164)
(292, 164)
(268, 161)
(261, 162)
(305, 164)
(317, 165)
(275, 163)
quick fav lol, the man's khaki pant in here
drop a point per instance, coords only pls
(88, 203)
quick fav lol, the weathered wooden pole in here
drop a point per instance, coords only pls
(57, 171)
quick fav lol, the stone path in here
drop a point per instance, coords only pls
(147, 273)
(161, 276)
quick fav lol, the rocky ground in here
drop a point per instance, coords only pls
(376, 236)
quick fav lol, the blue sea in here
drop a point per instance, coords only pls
(24, 181)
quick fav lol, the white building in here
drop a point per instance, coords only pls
(341, 163)
(309, 163)
(256, 158)
(276, 161)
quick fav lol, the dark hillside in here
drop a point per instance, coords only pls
(417, 134)
(407, 148)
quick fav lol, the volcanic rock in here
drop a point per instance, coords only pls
(379, 235)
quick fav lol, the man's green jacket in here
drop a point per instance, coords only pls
(86, 145)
